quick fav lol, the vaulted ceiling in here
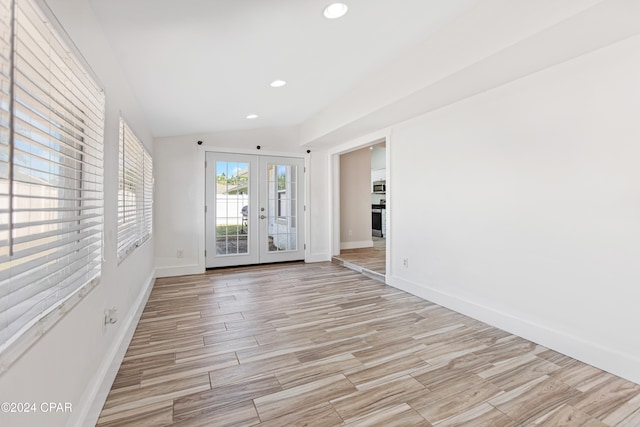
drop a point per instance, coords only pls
(204, 65)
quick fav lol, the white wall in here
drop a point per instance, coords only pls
(319, 224)
(529, 207)
(378, 157)
(179, 204)
(355, 199)
(72, 362)
(178, 201)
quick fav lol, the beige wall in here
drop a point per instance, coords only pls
(355, 199)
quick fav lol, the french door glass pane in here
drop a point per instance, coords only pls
(281, 207)
(232, 208)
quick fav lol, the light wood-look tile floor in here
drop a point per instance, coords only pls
(322, 345)
(373, 259)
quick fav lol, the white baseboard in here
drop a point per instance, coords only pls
(321, 257)
(98, 391)
(188, 269)
(618, 363)
(183, 270)
(356, 245)
(171, 267)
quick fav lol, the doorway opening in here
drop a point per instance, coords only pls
(363, 210)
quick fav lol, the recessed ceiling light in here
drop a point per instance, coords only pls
(252, 116)
(335, 10)
(278, 83)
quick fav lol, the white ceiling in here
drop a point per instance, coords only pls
(200, 66)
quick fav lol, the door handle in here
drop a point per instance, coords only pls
(262, 217)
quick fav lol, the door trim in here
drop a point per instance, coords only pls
(334, 190)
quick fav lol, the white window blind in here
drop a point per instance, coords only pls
(147, 226)
(135, 194)
(51, 173)
(5, 126)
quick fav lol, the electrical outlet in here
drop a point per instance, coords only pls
(110, 316)
(405, 262)
(180, 253)
(350, 233)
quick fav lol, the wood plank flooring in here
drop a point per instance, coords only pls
(321, 345)
(373, 259)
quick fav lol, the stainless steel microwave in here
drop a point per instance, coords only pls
(379, 187)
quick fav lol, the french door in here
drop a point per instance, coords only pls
(254, 209)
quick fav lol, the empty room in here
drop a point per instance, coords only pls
(284, 212)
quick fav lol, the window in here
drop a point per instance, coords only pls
(51, 174)
(282, 205)
(283, 176)
(135, 193)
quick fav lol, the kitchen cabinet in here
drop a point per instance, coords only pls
(378, 157)
(378, 175)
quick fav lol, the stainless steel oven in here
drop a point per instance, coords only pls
(376, 220)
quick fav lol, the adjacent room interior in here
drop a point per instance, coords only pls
(296, 212)
(363, 210)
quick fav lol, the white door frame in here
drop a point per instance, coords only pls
(334, 186)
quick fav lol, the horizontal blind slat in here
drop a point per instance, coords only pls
(36, 265)
(64, 244)
(51, 124)
(52, 287)
(56, 232)
(29, 184)
(60, 145)
(34, 27)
